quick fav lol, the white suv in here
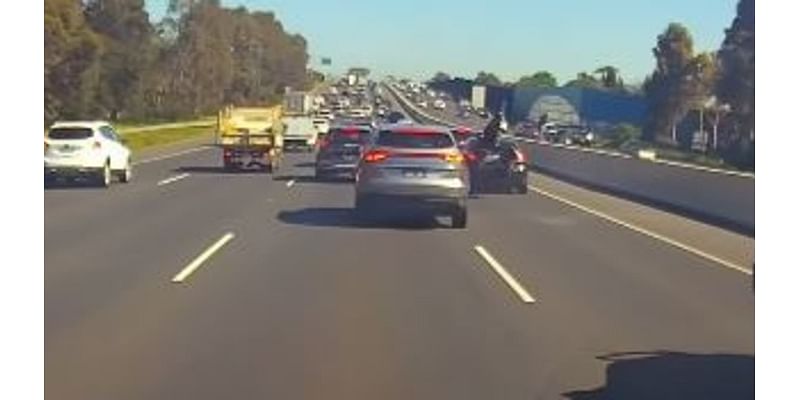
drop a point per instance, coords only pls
(78, 149)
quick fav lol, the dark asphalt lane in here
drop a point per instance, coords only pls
(305, 302)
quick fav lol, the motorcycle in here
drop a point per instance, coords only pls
(503, 167)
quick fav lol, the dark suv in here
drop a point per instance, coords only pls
(340, 151)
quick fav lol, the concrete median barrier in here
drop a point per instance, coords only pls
(723, 198)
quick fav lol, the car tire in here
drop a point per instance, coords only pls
(126, 174)
(104, 176)
(459, 217)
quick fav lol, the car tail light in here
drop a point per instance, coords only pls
(470, 156)
(323, 142)
(520, 155)
(374, 156)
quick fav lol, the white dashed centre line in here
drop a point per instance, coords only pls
(197, 262)
(505, 275)
(172, 179)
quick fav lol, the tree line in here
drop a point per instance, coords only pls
(718, 86)
(105, 59)
(603, 78)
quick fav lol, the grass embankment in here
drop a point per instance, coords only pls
(138, 140)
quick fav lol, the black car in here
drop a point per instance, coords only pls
(575, 134)
(501, 167)
(395, 117)
(340, 151)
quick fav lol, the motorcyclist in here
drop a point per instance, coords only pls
(487, 144)
(488, 140)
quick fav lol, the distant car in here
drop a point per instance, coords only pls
(340, 151)
(395, 117)
(415, 166)
(550, 132)
(526, 129)
(483, 113)
(575, 134)
(439, 104)
(422, 104)
(324, 113)
(301, 133)
(322, 124)
(77, 149)
(462, 134)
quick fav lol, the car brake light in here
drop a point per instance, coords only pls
(374, 156)
(520, 155)
(470, 156)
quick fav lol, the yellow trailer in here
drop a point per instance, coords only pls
(251, 136)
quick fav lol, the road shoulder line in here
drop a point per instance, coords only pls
(640, 230)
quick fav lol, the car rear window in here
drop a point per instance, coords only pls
(350, 135)
(69, 133)
(415, 139)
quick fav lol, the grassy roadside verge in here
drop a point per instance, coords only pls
(125, 127)
(137, 141)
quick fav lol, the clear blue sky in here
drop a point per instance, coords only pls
(416, 38)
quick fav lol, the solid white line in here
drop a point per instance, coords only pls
(194, 265)
(172, 155)
(172, 179)
(652, 235)
(505, 275)
(290, 183)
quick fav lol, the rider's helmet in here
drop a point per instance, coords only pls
(503, 127)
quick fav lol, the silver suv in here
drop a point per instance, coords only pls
(413, 165)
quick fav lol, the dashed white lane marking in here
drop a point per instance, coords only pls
(505, 275)
(172, 179)
(197, 262)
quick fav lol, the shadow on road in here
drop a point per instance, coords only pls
(313, 179)
(80, 184)
(672, 375)
(305, 164)
(346, 217)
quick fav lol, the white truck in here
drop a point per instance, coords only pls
(301, 133)
(478, 97)
(297, 103)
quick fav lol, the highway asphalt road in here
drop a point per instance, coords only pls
(300, 301)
